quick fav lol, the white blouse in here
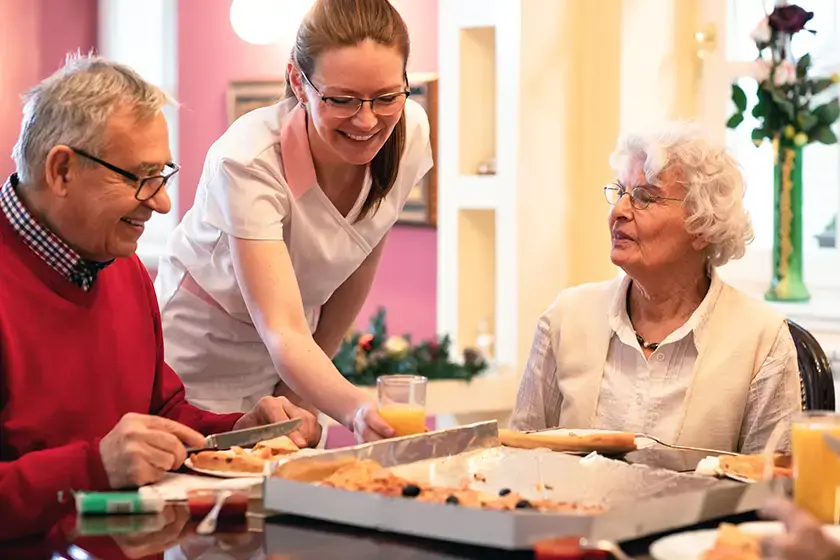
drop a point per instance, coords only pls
(648, 395)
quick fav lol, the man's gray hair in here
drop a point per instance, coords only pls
(712, 179)
(72, 108)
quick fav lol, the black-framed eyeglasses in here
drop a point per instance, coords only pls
(147, 187)
(346, 106)
(640, 197)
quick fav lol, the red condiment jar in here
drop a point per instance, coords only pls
(565, 548)
(200, 502)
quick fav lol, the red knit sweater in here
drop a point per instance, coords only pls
(72, 363)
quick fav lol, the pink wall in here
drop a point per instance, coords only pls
(406, 282)
(34, 37)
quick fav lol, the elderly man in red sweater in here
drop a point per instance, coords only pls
(86, 401)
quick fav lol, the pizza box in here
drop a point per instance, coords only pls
(639, 500)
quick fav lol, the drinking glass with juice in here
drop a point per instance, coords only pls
(402, 402)
(816, 468)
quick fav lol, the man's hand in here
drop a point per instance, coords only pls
(804, 537)
(276, 409)
(368, 425)
(140, 449)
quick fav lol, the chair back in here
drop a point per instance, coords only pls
(814, 370)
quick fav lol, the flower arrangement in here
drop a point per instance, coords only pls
(364, 356)
(786, 92)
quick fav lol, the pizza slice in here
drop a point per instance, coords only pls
(733, 544)
(751, 467)
(602, 442)
(282, 445)
(237, 459)
(233, 460)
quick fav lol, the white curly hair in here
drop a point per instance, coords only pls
(712, 179)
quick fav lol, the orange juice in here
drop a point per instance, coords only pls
(816, 468)
(406, 419)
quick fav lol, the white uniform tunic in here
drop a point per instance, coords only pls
(259, 182)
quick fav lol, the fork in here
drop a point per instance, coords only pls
(686, 447)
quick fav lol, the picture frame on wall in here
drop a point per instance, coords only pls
(421, 207)
(245, 96)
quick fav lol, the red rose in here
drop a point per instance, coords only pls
(789, 19)
(366, 341)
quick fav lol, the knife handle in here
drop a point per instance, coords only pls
(209, 445)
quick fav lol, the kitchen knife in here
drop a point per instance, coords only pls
(246, 436)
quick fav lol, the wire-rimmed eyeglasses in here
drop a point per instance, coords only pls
(346, 106)
(147, 187)
(640, 197)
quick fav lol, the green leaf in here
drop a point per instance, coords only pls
(820, 85)
(807, 121)
(802, 66)
(739, 98)
(759, 134)
(824, 135)
(788, 110)
(777, 94)
(735, 120)
(828, 112)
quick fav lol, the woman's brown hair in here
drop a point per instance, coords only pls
(333, 24)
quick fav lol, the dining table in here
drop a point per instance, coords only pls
(262, 534)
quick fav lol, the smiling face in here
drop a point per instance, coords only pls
(366, 70)
(654, 239)
(95, 210)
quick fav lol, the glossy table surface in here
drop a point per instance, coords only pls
(171, 535)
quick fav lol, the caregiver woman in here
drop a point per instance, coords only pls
(269, 268)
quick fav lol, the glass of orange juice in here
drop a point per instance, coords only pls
(402, 402)
(816, 468)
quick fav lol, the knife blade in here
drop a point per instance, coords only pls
(833, 442)
(247, 436)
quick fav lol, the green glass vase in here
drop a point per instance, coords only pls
(787, 283)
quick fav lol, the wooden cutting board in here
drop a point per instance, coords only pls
(605, 443)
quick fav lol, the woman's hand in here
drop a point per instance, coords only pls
(368, 425)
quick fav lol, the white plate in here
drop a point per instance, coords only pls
(641, 442)
(222, 474)
(691, 544)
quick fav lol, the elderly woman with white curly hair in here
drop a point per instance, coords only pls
(667, 349)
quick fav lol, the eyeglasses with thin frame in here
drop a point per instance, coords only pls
(640, 197)
(147, 187)
(346, 106)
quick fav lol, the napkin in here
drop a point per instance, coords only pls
(174, 486)
(710, 466)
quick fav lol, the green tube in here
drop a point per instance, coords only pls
(109, 503)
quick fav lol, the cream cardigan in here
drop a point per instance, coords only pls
(732, 343)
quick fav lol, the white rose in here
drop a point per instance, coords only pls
(785, 73)
(760, 69)
(762, 32)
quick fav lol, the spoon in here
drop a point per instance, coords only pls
(605, 546)
(208, 524)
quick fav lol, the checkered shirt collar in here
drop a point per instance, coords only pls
(44, 243)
